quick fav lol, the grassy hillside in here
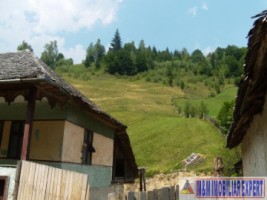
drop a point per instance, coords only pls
(160, 138)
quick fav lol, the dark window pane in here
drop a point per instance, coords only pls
(1, 131)
(15, 139)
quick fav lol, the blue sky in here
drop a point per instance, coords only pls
(193, 24)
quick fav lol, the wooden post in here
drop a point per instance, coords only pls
(144, 179)
(141, 180)
(28, 124)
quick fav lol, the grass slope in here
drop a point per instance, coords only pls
(160, 138)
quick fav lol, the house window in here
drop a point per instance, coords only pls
(120, 167)
(1, 131)
(88, 148)
(15, 140)
(4, 182)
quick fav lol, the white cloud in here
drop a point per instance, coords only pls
(40, 21)
(193, 11)
(207, 50)
(77, 53)
(205, 6)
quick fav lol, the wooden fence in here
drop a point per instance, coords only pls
(41, 182)
(165, 193)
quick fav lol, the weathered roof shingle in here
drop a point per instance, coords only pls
(253, 85)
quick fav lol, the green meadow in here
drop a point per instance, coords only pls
(160, 137)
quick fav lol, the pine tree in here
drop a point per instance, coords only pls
(116, 42)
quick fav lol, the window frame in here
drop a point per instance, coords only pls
(88, 148)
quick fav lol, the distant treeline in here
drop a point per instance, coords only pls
(129, 59)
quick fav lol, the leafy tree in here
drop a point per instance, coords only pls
(197, 56)
(99, 52)
(169, 74)
(141, 62)
(90, 54)
(182, 84)
(177, 54)
(184, 54)
(50, 55)
(190, 110)
(142, 46)
(203, 110)
(94, 53)
(116, 43)
(225, 115)
(23, 46)
(120, 62)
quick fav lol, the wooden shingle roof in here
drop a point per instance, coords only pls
(253, 85)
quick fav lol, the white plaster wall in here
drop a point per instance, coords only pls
(104, 150)
(254, 146)
(11, 172)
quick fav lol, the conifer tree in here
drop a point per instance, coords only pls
(116, 42)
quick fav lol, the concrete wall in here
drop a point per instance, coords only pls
(104, 150)
(46, 141)
(72, 143)
(11, 173)
(254, 146)
(83, 119)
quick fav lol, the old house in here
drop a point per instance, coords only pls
(249, 126)
(46, 120)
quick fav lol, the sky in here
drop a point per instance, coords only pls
(176, 24)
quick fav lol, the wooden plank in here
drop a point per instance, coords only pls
(21, 182)
(143, 195)
(49, 185)
(27, 185)
(164, 193)
(35, 181)
(70, 185)
(76, 186)
(177, 192)
(17, 177)
(87, 193)
(44, 181)
(30, 180)
(150, 195)
(63, 184)
(137, 196)
(58, 179)
(84, 192)
(38, 184)
(130, 196)
(172, 193)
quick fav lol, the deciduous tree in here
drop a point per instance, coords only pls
(23, 46)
